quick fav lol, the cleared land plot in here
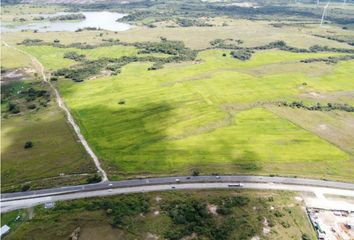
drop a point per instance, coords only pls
(336, 127)
(199, 115)
(268, 215)
(13, 59)
(55, 149)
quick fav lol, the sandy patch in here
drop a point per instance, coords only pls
(193, 236)
(150, 236)
(266, 228)
(323, 127)
(212, 209)
(299, 199)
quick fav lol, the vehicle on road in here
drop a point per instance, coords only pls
(235, 185)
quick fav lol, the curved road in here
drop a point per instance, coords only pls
(12, 201)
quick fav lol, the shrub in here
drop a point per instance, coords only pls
(94, 179)
(74, 56)
(32, 106)
(25, 187)
(14, 108)
(195, 172)
(278, 213)
(223, 210)
(28, 144)
(305, 237)
(285, 224)
(243, 54)
(74, 16)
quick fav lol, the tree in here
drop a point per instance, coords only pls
(305, 237)
(28, 144)
(195, 172)
(94, 179)
(25, 187)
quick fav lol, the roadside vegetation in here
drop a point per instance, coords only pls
(217, 214)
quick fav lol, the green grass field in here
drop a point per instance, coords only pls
(55, 147)
(207, 116)
(53, 58)
(13, 59)
(215, 114)
(95, 222)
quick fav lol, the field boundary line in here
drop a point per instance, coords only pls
(61, 104)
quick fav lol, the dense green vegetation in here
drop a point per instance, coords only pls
(193, 217)
(177, 51)
(170, 215)
(241, 54)
(68, 17)
(319, 107)
(19, 97)
(186, 10)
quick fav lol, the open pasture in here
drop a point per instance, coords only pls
(208, 115)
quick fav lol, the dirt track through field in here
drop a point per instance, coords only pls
(40, 68)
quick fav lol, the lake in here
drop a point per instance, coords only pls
(103, 20)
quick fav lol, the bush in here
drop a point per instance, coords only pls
(74, 56)
(94, 179)
(28, 144)
(25, 187)
(32, 106)
(243, 54)
(195, 172)
(278, 213)
(14, 108)
(223, 210)
(285, 224)
(66, 17)
(305, 237)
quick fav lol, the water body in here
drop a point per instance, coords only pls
(103, 20)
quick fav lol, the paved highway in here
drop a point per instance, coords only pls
(11, 201)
